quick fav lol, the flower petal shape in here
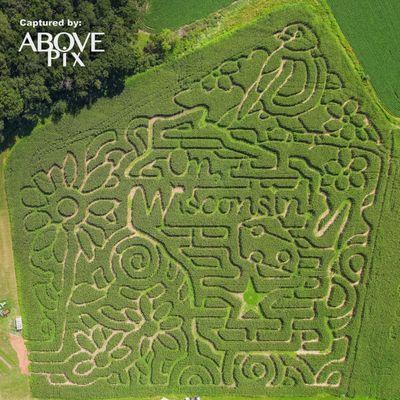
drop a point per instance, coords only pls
(45, 238)
(145, 307)
(36, 220)
(85, 342)
(168, 341)
(32, 197)
(96, 234)
(85, 294)
(162, 311)
(70, 169)
(97, 178)
(44, 183)
(57, 176)
(60, 246)
(86, 244)
(170, 323)
(101, 207)
(84, 367)
(120, 353)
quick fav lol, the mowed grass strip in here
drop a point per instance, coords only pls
(372, 28)
(13, 385)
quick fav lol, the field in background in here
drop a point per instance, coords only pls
(373, 30)
(173, 14)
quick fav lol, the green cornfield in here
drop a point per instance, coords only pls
(371, 26)
(225, 227)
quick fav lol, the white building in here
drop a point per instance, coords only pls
(18, 324)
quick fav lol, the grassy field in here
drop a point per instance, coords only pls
(173, 14)
(378, 353)
(13, 385)
(372, 28)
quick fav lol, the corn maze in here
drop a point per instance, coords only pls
(220, 248)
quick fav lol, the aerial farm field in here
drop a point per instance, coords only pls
(173, 14)
(225, 227)
(371, 27)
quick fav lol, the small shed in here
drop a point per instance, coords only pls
(18, 324)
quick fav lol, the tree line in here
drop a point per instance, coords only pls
(31, 91)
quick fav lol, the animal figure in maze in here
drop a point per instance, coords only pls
(222, 246)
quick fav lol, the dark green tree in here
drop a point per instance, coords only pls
(31, 91)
